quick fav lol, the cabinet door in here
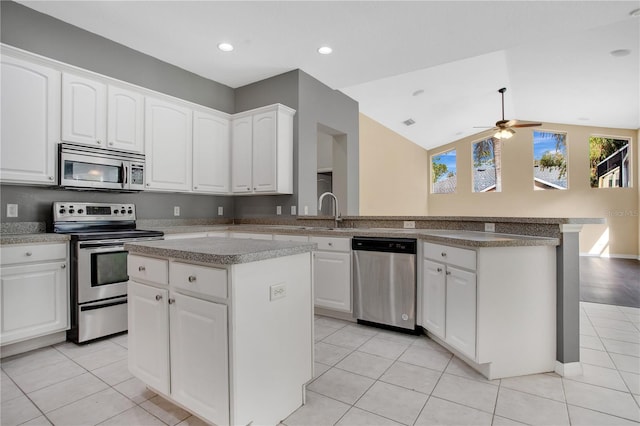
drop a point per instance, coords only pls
(241, 158)
(461, 311)
(211, 158)
(84, 111)
(332, 280)
(264, 152)
(433, 298)
(125, 125)
(199, 357)
(167, 143)
(34, 301)
(30, 118)
(149, 335)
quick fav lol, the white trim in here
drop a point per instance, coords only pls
(31, 344)
(569, 369)
(611, 256)
(570, 227)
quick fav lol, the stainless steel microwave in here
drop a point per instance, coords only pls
(85, 167)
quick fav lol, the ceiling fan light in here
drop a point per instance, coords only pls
(504, 134)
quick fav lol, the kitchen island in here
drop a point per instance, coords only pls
(223, 327)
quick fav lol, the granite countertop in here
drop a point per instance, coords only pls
(182, 229)
(33, 238)
(219, 251)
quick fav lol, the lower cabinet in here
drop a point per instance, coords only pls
(332, 274)
(35, 291)
(178, 345)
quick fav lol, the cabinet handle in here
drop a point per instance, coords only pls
(172, 300)
(330, 244)
(99, 142)
(28, 253)
(248, 189)
(50, 177)
(192, 278)
(148, 184)
(158, 297)
(448, 272)
(439, 269)
(141, 268)
(443, 254)
(63, 266)
(195, 187)
(110, 143)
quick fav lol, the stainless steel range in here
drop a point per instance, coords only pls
(98, 264)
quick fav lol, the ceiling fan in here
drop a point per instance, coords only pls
(504, 128)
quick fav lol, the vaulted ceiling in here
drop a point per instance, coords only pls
(439, 63)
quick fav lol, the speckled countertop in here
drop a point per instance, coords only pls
(34, 238)
(219, 251)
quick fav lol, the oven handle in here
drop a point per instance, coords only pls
(103, 305)
(108, 246)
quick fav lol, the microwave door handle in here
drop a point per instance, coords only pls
(126, 176)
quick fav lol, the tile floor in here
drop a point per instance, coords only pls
(364, 376)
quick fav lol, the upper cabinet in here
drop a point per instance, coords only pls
(211, 152)
(30, 118)
(84, 111)
(262, 151)
(125, 119)
(167, 141)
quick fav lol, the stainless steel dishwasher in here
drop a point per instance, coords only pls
(384, 279)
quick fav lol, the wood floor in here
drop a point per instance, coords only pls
(610, 281)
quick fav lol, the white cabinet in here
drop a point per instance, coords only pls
(84, 110)
(167, 143)
(211, 153)
(449, 296)
(262, 151)
(35, 291)
(332, 274)
(125, 119)
(30, 120)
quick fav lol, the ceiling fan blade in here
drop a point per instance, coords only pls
(527, 125)
(483, 127)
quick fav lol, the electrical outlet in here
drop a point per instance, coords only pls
(277, 291)
(220, 210)
(306, 210)
(409, 224)
(176, 210)
(12, 210)
(294, 210)
(489, 227)
(278, 210)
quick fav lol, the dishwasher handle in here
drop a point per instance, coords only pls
(385, 245)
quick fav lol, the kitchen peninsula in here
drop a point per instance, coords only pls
(223, 327)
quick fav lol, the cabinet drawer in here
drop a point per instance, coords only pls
(148, 269)
(332, 244)
(199, 279)
(451, 255)
(33, 253)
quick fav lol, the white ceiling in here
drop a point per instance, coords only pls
(553, 56)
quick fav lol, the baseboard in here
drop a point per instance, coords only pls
(29, 345)
(611, 256)
(569, 369)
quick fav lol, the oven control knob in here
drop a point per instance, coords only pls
(80, 211)
(123, 211)
(62, 211)
(71, 211)
(130, 211)
(115, 212)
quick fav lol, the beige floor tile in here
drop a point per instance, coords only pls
(629, 310)
(319, 369)
(8, 389)
(368, 365)
(102, 357)
(543, 385)
(114, 373)
(358, 417)
(317, 411)
(412, 377)
(587, 330)
(601, 314)
(73, 350)
(328, 354)
(426, 342)
(341, 385)
(331, 322)
(48, 375)
(365, 330)
(613, 323)
(425, 357)
(591, 342)
(133, 417)
(530, 409)
(91, 410)
(600, 376)
(135, 390)
(457, 367)
(29, 361)
(622, 335)
(393, 402)
(626, 363)
(66, 392)
(17, 410)
(321, 331)
(384, 347)
(601, 399)
(121, 339)
(165, 410)
(619, 347)
(502, 421)
(394, 336)
(598, 307)
(193, 421)
(596, 357)
(467, 392)
(38, 421)
(346, 338)
(632, 380)
(441, 412)
(584, 417)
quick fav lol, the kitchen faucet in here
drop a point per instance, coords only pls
(335, 204)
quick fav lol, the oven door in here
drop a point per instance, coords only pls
(102, 270)
(93, 171)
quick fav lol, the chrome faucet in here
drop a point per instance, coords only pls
(335, 204)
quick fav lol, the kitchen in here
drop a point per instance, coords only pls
(338, 117)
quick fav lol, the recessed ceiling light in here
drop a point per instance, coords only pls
(635, 13)
(409, 122)
(620, 53)
(225, 47)
(418, 92)
(325, 50)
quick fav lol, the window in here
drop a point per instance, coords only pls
(443, 172)
(486, 163)
(549, 160)
(609, 162)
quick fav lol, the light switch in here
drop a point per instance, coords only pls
(220, 210)
(176, 210)
(278, 210)
(12, 210)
